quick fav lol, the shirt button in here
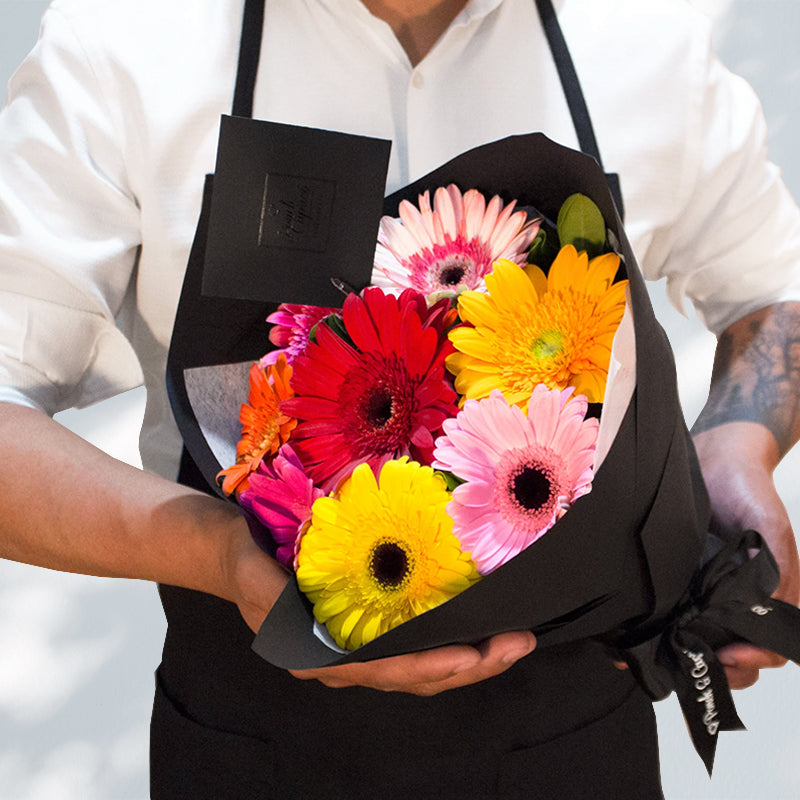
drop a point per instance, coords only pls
(418, 81)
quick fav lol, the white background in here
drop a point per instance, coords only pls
(77, 654)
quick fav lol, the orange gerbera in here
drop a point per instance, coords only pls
(264, 427)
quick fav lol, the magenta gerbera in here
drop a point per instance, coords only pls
(292, 326)
(381, 398)
(520, 473)
(451, 246)
(280, 496)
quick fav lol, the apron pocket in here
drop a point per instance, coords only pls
(190, 760)
(613, 758)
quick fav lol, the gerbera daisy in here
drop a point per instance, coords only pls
(450, 247)
(265, 427)
(381, 553)
(521, 473)
(531, 329)
(384, 396)
(292, 326)
(280, 496)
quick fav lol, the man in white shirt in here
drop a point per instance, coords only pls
(103, 147)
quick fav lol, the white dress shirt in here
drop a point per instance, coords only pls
(112, 123)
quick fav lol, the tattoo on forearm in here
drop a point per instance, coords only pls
(756, 375)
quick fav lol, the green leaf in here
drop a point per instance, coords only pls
(451, 480)
(336, 324)
(581, 224)
(543, 249)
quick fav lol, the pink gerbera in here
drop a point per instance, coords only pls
(520, 473)
(280, 496)
(381, 398)
(450, 247)
(292, 326)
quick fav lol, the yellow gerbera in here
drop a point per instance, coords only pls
(531, 328)
(381, 553)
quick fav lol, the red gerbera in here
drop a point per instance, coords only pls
(384, 398)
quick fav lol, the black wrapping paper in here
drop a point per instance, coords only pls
(631, 563)
(624, 552)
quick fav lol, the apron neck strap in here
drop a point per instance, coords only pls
(569, 80)
(249, 52)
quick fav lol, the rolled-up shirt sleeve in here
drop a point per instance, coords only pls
(69, 233)
(735, 245)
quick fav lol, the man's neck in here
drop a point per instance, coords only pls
(418, 24)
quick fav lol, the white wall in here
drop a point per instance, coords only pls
(77, 654)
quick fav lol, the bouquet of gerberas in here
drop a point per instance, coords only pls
(436, 426)
(436, 437)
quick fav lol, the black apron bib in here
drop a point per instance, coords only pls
(562, 723)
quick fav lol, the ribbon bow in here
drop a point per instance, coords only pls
(729, 601)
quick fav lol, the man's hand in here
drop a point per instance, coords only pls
(256, 581)
(251, 578)
(735, 459)
(751, 420)
(432, 671)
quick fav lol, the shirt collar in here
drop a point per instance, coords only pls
(476, 9)
(473, 10)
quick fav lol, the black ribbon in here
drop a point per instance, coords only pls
(728, 601)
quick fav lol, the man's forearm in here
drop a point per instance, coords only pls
(756, 375)
(751, 420)
(68, 506)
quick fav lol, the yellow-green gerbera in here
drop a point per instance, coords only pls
(531, 328)
(380, 553)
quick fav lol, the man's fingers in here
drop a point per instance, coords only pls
(432, 671)
(745, 655)
(742, 663)
(496, 655)
(741, 678)
(393, 674)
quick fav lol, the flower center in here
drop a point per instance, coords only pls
(531, 487)
(446, 265)
(547, 344)
(260, 437)
(452, 274)
(389, 564)
(529, 484)
(378, 407)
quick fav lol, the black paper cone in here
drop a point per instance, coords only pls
(631, 563)
(623, 552)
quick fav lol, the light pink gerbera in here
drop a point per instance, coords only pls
(520, 473)
(450, 247)
(280, 496)
(292, 326)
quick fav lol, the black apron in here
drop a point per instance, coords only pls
(561, 723)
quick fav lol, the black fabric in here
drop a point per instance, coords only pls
(249, 53)
(563, 722)
(569, 80)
